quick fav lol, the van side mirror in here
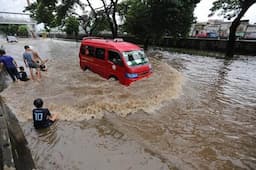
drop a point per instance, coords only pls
(118, 62)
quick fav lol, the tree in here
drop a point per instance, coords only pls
(9, 29)
(22, 30)
(94, 21)
(149, 20)
(44, 11)
(66, 9)
(230, 9)
(137, 21)
(71, 25)
(52, 13)
(98, 24)
(110, 11)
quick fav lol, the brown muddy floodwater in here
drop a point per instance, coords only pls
(194, 112)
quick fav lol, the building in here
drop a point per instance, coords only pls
(221, 29)
(250, 32)
(7, 18)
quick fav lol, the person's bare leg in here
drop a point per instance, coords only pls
(38, 73)
(31, 73)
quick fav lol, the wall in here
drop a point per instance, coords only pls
(241, 47)
(246, 47)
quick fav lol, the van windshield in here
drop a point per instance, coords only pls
(135, 58)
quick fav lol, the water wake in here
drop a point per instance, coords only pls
(78, 95)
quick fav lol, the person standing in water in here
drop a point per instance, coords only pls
(30, 62)
(39, 60)
(10, 65)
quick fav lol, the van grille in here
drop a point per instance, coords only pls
(143, 73)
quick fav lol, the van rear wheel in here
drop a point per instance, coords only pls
(84, 68)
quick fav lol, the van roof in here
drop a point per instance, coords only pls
(108, 43)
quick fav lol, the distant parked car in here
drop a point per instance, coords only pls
(11, 39)
(250, 36)
(201, 35)
(212, 35)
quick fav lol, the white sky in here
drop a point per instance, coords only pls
(201, 11)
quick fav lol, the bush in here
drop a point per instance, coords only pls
(23, 30)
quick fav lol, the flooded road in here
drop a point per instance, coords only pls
(194, 112)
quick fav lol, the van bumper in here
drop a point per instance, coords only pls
(128, 81)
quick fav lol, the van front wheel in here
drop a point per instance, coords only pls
(113, 78)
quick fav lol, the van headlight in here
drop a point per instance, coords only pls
(131, 75)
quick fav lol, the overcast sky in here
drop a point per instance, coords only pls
(201, 11)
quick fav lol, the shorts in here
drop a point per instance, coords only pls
(33, 65)
(45, 125)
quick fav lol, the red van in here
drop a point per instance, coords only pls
(115, 59)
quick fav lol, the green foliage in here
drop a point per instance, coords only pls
(100, 24)
(23, 30)
(9, 29)
(44, 11)
(71, 25)
(20, 30)
(226, 8)
(137, 18)
(151, 19)
(66, 8)
(229, 8)
(51, 12)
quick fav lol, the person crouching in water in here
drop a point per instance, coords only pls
(23, 74)
(41, 116)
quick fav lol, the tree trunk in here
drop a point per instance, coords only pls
(114, 19)
(115, 28)
(111, 11)
(232, 30)
(146, 42)
(111, 25)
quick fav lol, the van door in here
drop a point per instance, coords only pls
(86, 56)
(87, 60)
(115, 65)
(100, 61)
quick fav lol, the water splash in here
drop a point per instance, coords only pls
(78, 95)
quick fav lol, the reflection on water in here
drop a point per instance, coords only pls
(194, 113)
(88, 145)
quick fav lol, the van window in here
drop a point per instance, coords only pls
(100, 53)
(136, 57)
(115, 58)
(91, 50)
(83, 49)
